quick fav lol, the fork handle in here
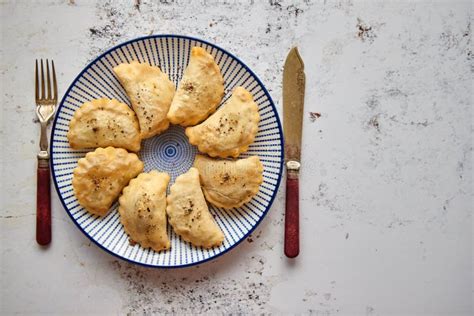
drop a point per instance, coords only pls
(43, 203)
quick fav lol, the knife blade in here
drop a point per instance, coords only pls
(293, 105)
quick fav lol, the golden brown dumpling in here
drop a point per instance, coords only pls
(143, 210)
(101, 175)
(229, 131)
(200, 91)
(102, 123)
(150, 92)
(188, 212)
(229, 183)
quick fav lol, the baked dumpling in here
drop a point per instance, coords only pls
(188, 212)
(200, 91)
(229, 183)
(101, 175)
(143, 210)
(102, 123)
(230, 130)
(150, 92)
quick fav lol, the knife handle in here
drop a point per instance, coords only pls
(43, 204)
(292, 225)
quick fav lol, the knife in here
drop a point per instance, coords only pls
(293, 104)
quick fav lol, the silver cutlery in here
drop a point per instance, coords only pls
(46, 95)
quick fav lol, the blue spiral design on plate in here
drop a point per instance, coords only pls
(168, 152)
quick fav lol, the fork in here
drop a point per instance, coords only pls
(45, 107)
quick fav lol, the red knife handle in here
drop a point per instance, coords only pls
(43, 204)
(292, 225)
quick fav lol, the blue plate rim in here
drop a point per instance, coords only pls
(277, 186)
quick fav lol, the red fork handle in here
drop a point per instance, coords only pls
(43, 204)
(292, 225)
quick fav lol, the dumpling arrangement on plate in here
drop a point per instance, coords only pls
(144, 207)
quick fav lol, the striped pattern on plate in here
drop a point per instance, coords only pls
(169, 152)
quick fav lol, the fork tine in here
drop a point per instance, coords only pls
(42, 80)
(36, 81)
(55, 84)
(48, 80)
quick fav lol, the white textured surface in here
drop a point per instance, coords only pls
(386, 187)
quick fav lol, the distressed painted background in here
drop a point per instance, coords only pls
(386, 194)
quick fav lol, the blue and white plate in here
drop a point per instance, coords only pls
(169, 152)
